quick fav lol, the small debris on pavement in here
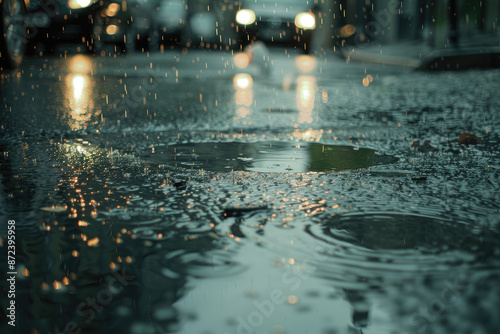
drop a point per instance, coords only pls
(239, 211)
(425, 147)
(179, 184)
(469, 139)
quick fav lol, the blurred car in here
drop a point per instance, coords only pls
(289, 22)
(61, 21)
(12, 32)
(140, 24)
(110, 26)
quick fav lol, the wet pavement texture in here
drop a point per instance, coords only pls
(181, 193)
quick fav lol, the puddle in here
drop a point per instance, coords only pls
(282, 157)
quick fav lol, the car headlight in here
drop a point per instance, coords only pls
(77, 4)
(245, 16)
(305, 21)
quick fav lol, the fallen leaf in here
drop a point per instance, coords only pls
(469, 139)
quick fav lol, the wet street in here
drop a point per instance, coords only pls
(191, 192)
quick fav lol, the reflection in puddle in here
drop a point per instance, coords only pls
(78, 86)
(241, 60)
(243, 81)
(243, 95)
(305, 63)
(306, 88)
(243, 84)
(80, 64)
(77, 93)
(80, 104)
(284, 157)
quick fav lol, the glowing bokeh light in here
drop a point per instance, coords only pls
(112, 29)
(243, 81)
(305, 95)
(245, 17)
(241, 60)
(305, 21)
(305, 63)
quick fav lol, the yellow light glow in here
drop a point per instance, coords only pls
(242, 112)
(305, 21)
(324, 97)
(244, 97)
(241, 60)
(305, 63)
(347, 31)
(78, 99)
(112, 29)
(76, 4)
(82, 223)
(78, 86)
(112, 9)
(80, 64)
(306, 90)
(243, 81)
(245, 17)
(83, 3)
(93, 242)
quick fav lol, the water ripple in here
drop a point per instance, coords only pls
(379, 247)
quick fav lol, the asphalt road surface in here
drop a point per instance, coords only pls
(211, 192)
